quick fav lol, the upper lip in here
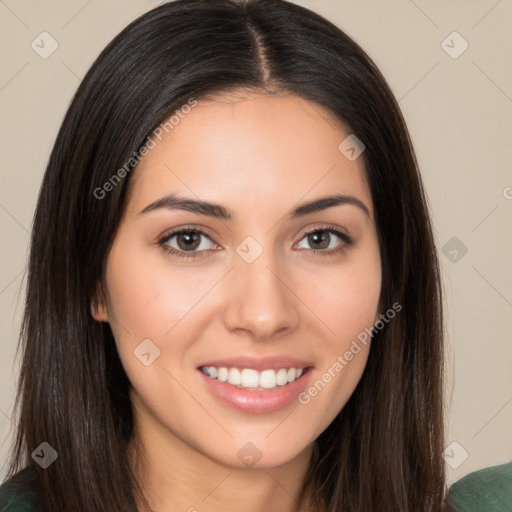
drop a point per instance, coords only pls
(259, 363)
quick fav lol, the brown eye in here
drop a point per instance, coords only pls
(189, 240)
(319, 239)
(186, 243)
(326, 241)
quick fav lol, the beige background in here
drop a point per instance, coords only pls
(459, 112)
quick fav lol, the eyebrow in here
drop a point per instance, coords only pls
(174, 202)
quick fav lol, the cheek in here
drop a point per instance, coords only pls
(346, 300)
(152, 299)
(149, 296)
(346, 308)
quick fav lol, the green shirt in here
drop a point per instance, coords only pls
(18, 495)
(485, 490)
(17, 503)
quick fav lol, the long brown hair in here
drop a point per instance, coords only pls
(383, 452)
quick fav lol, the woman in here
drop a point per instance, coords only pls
(233, 286)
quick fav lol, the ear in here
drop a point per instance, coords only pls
(99, 306)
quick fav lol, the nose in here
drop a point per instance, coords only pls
(259, 300)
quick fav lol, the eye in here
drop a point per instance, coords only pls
(323, 240)
(185, 242)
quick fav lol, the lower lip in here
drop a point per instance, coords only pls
(257, 402)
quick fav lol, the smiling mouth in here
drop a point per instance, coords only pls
(250, 379)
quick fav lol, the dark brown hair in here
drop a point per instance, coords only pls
(383, 452)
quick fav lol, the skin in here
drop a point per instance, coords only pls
(259, 155)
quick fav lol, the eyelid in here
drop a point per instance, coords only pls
(185, 229)
(191, 227)
(346, 239)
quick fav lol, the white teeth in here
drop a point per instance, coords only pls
(268, 379)
(234, 376)
(252, 379)
(222, 374)
(249, 378)
(282, 377)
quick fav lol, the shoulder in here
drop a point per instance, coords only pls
(488, 489)
(18, 494)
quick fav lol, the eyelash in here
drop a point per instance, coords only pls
(346, 241)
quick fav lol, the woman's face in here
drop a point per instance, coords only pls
(244, 289)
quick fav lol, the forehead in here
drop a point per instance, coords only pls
(241, 145)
